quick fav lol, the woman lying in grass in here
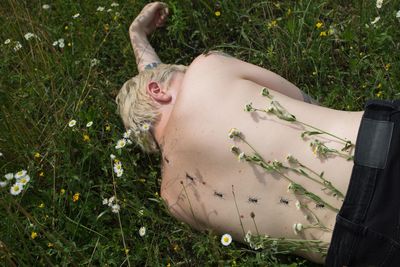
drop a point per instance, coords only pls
(246, 153)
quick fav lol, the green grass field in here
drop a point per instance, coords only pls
(330, 49)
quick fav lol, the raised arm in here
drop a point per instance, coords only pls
(152, 16)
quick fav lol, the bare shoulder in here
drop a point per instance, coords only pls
(213, 57)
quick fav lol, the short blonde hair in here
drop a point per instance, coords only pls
(137, 109)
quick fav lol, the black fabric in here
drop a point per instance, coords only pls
(367, 229)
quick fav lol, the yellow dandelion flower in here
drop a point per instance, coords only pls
(50, 245)
(41, 174)
(379, 94)
(272, 24)
(169, 264)
(62, 191)
(387, 66)
(156, 194)
(176, 247)
(319, 24)
(34, 235)
(86, 138)
(217, 13)
(75, 197)
(379, 86)
(41, 205)
(323, 33)
(37, 155)
(69, 44)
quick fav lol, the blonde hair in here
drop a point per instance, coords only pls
(137, 109)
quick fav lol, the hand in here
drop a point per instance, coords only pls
(152, 16)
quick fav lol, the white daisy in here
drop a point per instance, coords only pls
(100, 9)
(114, 4)
(24, 180)
(29, 35)
(117, 166)
(94, 62)
(76, 16)
(119, 173)
(112, 156)
(72, 123)
(16, 189)
(3, 184)
(115, 208)
(90, 123)
(226, 239)
(61, 45)
(145, 127)
(142, 231)
(105, 201)
(61, 40)
(109, 10)
(127, 134)
(297, 227)
(55, 43)
(111, 201)
(379, 3)
(7, 41)
(120, 144)
(20, 174)
(375, 20)
(9, 176)
(129, 142)
(45, 6)
(17, 46)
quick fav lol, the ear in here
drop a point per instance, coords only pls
(158, 92)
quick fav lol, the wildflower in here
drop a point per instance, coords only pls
(29, 36)
(1, 154)
(20, 174)
(50, 245)
(297, 227)
(387, 66)
(379, 94)
(34, 235)
(94, 62)
(76, 16)
(89, 124)
(9, 176)
(249, 107)
(108, 128)
(241, 156)
(100, 9)
(16, 189)
(111, 201)
(121, 143)
(112, 156)
(105, 201)
(379, 3)
(233, 132)
(235, 150)
(141, 212)
(17, 46)
(55, 43)
(120, 172)
(272, 24)
(331, 31)
(298, 205)
(375, 20)
(72, 123)
(292, 159)
(217, 13)
(226, 239)
(24, 180)
(69, 44)
(142, 231)
(115, 208)
(114, 4)
(322, 34)
(319, 24)
(145, 127)
(62, 191)
(75, 197)
(61, 45)
(398, 14)
(37, 155)
(7, 41)
(127, 134)
(379, 85)
(41, 206)
(45, 6)
(3, 183)
(109, 10)
(265, 92)
(86, 138)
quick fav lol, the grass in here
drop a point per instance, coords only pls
(43, 87)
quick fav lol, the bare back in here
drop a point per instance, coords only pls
(202, 179)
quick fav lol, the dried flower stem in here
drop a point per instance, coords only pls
(237, 209)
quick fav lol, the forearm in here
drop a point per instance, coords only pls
(144, 52)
